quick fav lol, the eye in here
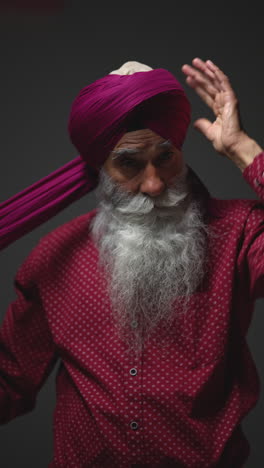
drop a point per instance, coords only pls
(167, 156)
(129, 163)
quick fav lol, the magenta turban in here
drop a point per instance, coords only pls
(101, 113)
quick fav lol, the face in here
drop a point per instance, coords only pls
(143, 161)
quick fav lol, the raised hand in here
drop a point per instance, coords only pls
(213, 86)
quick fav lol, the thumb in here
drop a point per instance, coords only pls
(203, 125)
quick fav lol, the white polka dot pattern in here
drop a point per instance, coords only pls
(181, 402)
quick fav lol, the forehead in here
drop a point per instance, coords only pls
(141, 139)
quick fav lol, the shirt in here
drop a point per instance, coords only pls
(181, 402)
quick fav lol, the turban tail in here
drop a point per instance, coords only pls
(100, 115)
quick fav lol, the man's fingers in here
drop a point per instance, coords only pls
(210, 76)
(188, 70)
(214, 73)
(195, 79)
(201, 65)
(220, 78)
(203, 125)
(208, 72)
(204, 94)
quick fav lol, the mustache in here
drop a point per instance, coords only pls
(142, 204)
(129, 203)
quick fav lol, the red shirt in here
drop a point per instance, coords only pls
(179, 405)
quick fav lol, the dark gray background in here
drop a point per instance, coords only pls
(45, 60)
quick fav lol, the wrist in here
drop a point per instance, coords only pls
(243, 152)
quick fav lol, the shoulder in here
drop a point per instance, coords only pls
(234, 207)
(243, 216)
(68, 233)
(62, 242)
(234, 211)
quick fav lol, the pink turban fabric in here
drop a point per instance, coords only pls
(100, 115)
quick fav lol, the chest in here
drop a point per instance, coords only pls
(78, 307)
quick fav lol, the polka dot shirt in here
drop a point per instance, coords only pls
(179, 403)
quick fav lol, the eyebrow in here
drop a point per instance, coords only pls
(126, 151)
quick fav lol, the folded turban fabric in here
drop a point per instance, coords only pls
(133, 96)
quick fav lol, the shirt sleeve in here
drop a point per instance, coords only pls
(27, 353)
(251, 257)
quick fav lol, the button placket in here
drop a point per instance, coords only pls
(133, 416)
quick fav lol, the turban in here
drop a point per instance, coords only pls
(134, 95)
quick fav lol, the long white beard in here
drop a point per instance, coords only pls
(152, 251)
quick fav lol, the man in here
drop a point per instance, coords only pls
(146, 300)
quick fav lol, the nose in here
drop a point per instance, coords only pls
(151, 183)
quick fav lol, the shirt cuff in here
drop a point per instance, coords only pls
(254, 174)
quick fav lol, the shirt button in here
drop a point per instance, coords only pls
(133, 371)
(134, 425)
(134, 324)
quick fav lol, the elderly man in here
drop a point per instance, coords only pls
(146, 300)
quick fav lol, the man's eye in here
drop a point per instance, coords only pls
(165, 156)
(127, 162)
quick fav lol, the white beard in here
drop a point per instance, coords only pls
(152, 251)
